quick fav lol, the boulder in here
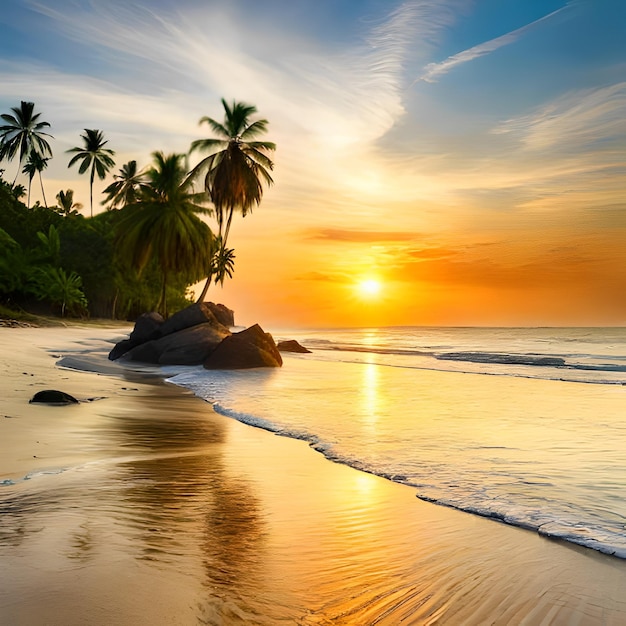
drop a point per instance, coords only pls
(190, 346)
(198, 313)
(223, 314)
(146, 327)
(121, 348)
(291, 345)
(52, 396)
(147, 342)
(247, 349)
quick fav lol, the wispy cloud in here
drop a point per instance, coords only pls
(360, 236)
(590, 120)
(433, 70)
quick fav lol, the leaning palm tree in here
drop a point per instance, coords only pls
(23, 134)
(163, 225)
(237, 167)
(35, 165)
(127, 188)
(93, 156)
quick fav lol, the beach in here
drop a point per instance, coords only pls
(142, 505)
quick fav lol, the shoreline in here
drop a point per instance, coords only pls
(241, 525)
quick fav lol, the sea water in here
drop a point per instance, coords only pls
(524, 425)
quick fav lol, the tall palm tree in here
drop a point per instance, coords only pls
(237, 167)
(127, 188)
(93, 156)
(35, 165)
(67, 206)
(163, 224)
(23, 133)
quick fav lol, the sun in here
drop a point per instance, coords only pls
(369, 288)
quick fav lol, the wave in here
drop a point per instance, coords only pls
(563, 368)
(595, 537)
(504, 359)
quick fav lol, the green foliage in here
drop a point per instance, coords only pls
(127, 186)
(67, 206)
(236, 168)
(22, 134)
(163, 226)
(145, 252)
(93, 156)
(54, 285)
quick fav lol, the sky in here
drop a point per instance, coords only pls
(466, 157)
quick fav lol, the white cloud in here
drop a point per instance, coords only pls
(434, 70)
(592, 120)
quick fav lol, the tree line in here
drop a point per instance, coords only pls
(151, 244)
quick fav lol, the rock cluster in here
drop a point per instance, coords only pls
(197, 335)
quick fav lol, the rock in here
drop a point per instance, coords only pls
(291, 345)
(223, 314)
(147, 352)
(190, 346)
(247, 349)
(121, 348)
(198, 313)
(146, 327)
(149, 341)
(52, 396)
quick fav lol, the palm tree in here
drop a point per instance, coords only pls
(23, 133)
(235, 170)
(127, 188)
(223, 264)
(94, 156)
(163, 224)
(35, 164)
(67, 206)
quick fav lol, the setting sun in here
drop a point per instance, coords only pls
(369, 288)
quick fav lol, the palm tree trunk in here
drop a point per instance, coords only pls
(163, 298)
(91, 189)
(228, 221)
(207, 284)
(43, 193)
(28, 200)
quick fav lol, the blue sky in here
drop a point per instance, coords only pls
(490, 134)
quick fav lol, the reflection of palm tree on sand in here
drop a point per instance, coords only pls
(93, 156)
(237, 167)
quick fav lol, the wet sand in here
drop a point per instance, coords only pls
(147, 507)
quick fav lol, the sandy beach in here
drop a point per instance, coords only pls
(141, 505)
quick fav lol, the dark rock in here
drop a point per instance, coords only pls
(247, 349)
(146, 327)
(291, 345)
(191, 346)
(223, 314)
(147, 352)
(121, 348)
(198, 313)
(52, 396)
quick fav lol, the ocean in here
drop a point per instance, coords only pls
(523, 425)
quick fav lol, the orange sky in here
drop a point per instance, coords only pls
(470, 156)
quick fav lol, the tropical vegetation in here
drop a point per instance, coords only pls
(151, 244)
(93, 156)
(22, 134)
(235, 170)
